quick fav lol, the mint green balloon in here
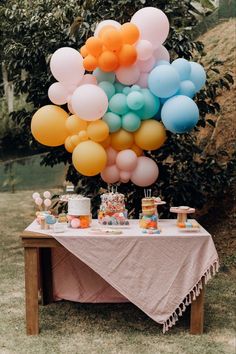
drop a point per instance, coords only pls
(113, 121)
(126, 90)
(119, 87)
(103, 76)
(135, 88)
(135, 100)
(108, 88)
(151, 105)
(131, 122)
(118, 104)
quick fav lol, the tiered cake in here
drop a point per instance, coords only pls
(148, 220)
(112, 210)
(79, 212)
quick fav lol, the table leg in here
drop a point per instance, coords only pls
(46, 275)
(31, 290)
(197, 314)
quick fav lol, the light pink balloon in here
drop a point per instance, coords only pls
(153, 24)
(145, 66)
(57, 93)
(38, 201)
(125, 176)
(70, 88)
(104, 23)
(47, 202)
(69, 105)
(66, 65)
(144, 49)
(89, 102)
(161, 53)
(126, 160)
(111, 156)
(145, 173)
(143, 80)
(128, 75)
(89, 79)
(110, 174)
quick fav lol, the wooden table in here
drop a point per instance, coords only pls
(37, 252)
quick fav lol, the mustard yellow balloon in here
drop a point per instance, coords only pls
(74, 124)
(122, 140)
(48, 125)
(83, 135)
(75, 140)
(151, 135)
(98, 130)
(89, 158)
(137, 150)
(106, 143)
(69, 146)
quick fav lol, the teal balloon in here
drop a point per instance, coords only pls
(135, 88)
(183, 67)
(151, 105)
(118, 104)
(113, 121)
(187, 88)
(179, 114)
(135, 100)
(197, 75)
(131, 122)
(126, 90)
(108, 88)
(119, 87)
(103, 76)
(164, 81)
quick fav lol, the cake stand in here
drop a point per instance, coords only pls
(182, 213)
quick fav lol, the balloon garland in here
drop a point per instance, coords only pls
(124, 106)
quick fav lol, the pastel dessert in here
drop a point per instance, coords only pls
(79, 212)
(112, 210)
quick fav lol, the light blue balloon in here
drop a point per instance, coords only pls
(119, 87)
(126, 90)
(113, 121)
(164, 81)
(162, 62)
(187, 88)
(183, 67)
(135, 100)
(108, 88)
(197, 75)
(118, 104)
(151, 105)
(179, 114)
(103, 76)
(131, 122)
(135, 88)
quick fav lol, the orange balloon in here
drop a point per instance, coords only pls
(104, 29)
(151, 135)
(94, 46)
(138, 151)
(127, 55)
(130, 33)
(74, 124)
(108, 61)
(90, 63)
(83, 51)
(68, 144)
(75, 140)
(83, 135)
(112, 39)
(106, 143)
(122, 140)
(98, 130)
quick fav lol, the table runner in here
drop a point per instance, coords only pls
(160, 274)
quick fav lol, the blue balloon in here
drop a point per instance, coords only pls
(135, 100)
(118, 104)
(131, 122)
(108, 88)
(126, 90)
(164, 81)
(179, 114)
(151, 105)
(187, 88)
(183, 67)
(103, 76)
(113, 121)
(162, 62)
(119, 87)
(197, 75)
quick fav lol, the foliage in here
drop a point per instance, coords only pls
(34, 32)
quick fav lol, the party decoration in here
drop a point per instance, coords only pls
(197, 75)
(164, 81)
(74, 124)
(130, 122)
(183, 67)
(121, 140)
(130, 33)
(151, 135)
(57, 93)
(113, 121)
(126, 160)
(98, 131)
(111, 156)
(110, 174)
(145, 173)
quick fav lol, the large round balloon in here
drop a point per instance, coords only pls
(126, 160)
(122, 140)
(145, 173)
(110, 174)
(48, 125)
(98, 131)
(164, 81)
(179, 114)
(197, 75)
(89, 102)
(89, 158)
(161, 53)
(152, 23)
(66, 65)
(183, 67)
(128, 76)
(151, 135)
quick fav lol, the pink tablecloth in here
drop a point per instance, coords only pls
(158, 273)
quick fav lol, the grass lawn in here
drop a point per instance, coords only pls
(68, 327)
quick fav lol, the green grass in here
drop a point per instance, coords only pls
(68, 327)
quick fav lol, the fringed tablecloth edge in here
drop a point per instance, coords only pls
(192, 295)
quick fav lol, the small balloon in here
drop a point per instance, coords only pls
(164, 81)
(129, 75)
(111, 156)
(98, 131)
(126, 160)
(113, 121)
(110, 174)
(58, 94)
(145, 173)
(131, 122)
(121, 140)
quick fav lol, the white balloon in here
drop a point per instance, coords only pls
(58, 94)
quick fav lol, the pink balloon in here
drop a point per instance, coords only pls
(89, 102)
(143, 80)
(125, 176)
(110, 174)
(57, 93)
(145, 173)
(128, 75)
(89, 79)
(126, 160)
(70, 88)
(38, 201)
(111, 156)
(161, 53)
(146, 65)
(66, 65)
(144, 49)
(153, 24)
(75, 223)
(47, 202)
(69, 105)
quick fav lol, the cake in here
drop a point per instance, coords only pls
(112, 209)
(79, 212)
(148, 220)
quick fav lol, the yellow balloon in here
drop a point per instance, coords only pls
(89, 158)
(83, 135)
(75, 140)
(74, 124)
(68, 144)
(151, 135)
(48, 125)
(98, 130)
(137, 150)
(106, 143)
(122, 140)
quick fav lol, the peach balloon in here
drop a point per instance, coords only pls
(110, 174)
(151, 135)
(128, 76)
(144, 49)
(145, 173)
(130, 33)
(108, 61)
(125, 176)
(58, 94)
(98, 131)
(146, 65)
(127, 55)
(90, 63)
(121, 140)
(94, 46)
(161, 53)
(111, 156)
(74, 124)
(89, 79)
(143, 80)
(126, 160)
